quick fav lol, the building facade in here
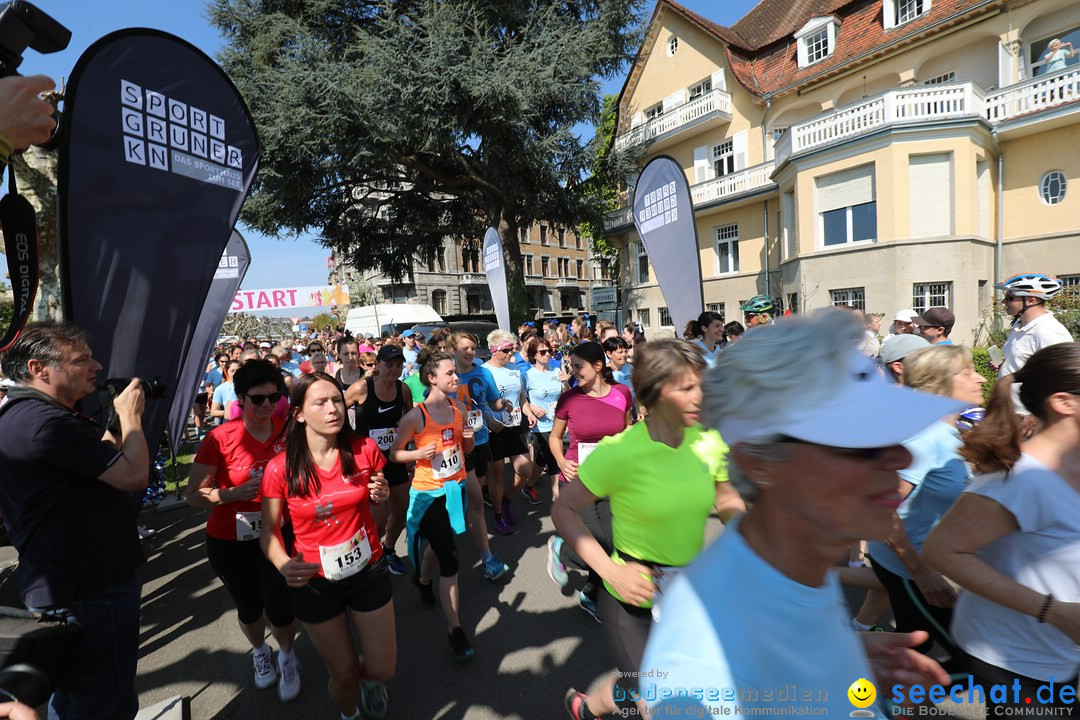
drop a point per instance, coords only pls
(559, 268)
(884, 153)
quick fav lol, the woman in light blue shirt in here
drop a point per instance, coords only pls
(707, 332)
(543, 387)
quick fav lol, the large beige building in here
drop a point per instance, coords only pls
(884, 153)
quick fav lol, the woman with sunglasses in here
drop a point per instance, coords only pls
(381, 402)
(544, 386)
(326, 481)
(225, 477)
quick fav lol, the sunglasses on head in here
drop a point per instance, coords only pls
(259, 399)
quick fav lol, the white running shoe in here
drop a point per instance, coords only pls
(289, 686)
(265, 675)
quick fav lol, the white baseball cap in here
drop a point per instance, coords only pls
(863, 410)
(905, 316)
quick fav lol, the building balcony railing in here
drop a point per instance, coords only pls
(708, 192)
(737, 183)
(568, 282)
(473, 279)
(714, 104)
(926, 104)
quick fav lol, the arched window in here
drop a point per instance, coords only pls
(438, 301)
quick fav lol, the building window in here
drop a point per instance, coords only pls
(642, 265)
(847, 211)
(564, 267)
(726, 247)
(654, 112)
(928, 295)
(580, 269)
(525, 235)
(672, 45)
(528, 264)
(723, 158)
(438, 301)
(777, 133)
(545, 265)
(702, 88)
(665, 318)
(470, 260)
(717, 308)
(437, 260)
(1052, 187)
(562, 238)
(852, 297)
(577, 241)
(909, 10)
(472, 303)
(816, 39)
(644, 319)
(1069, 281)
(543, 235)
(941, 79)
(1043, 62)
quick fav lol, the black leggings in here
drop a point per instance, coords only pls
(253, 582)
(913, 612)
(626, 629)
(435, 528)
(598, 519)
(988, 675)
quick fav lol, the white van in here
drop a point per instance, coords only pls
(383, 319)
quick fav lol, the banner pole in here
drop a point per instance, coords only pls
(178, 501)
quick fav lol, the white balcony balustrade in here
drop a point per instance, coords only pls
(715, 103)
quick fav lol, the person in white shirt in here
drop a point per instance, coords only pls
(812, 450)
(1012, 540)
(903, 323)
(1034, 327)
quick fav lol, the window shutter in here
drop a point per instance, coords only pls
(637, 119)
(740, 148)
(676, 99)
(850, 187)
(930, 194)
(719, 80)
(888, 13)
(702, 168)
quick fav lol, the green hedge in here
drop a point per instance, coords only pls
(981, 356)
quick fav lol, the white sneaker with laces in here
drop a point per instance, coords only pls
(265, 675)
(289, 669)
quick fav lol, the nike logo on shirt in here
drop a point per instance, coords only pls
(386, 409)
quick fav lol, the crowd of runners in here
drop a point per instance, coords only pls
(830, 454)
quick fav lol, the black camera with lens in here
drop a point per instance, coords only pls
(22, 25)
(35, 651)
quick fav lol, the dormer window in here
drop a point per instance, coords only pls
(898, 12)
(817, 40)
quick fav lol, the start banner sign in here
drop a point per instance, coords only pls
(327, 296)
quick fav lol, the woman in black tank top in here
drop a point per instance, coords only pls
(379, 403)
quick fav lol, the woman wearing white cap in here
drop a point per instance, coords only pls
(817, 447)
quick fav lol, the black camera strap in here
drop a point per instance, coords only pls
(19, 223)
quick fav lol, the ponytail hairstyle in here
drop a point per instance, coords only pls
(593, 353)
(301, 473)
(994, 444)
(695, 329)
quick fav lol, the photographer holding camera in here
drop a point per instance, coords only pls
(64, 496)
(25, 119)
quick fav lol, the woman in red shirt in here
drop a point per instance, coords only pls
(325, 481)
(225, 477)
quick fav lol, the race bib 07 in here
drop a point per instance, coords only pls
(248, 525)
(345, 559)
(475, 418)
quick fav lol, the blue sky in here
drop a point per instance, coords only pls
(275, 263)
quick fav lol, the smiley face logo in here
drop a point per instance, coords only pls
(862, 693)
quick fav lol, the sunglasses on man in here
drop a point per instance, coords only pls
(259, 398)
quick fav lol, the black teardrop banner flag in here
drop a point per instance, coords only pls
(159, 157)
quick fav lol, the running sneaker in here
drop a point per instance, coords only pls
(588, 605)
(531, 494)
(427, 592)
(574, 701)
(556, 570)
(374, 701)
(289, 669)
(501, 526)
(394, 564)
(487, 497)
(459, 643)
(494, 568)
(265, 675)
(509, 512)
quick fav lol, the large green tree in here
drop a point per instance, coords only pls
(389, 125)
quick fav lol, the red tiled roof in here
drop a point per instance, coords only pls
(762, 50)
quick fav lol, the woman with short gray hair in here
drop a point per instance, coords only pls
(817, 443)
